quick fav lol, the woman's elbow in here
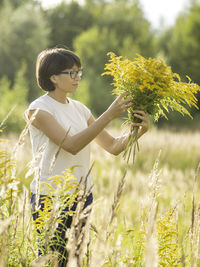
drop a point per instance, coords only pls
(70, 149)
(73, 152)
(115, 152)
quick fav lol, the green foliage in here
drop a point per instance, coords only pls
(93, 29)
(126, 19)
(67, 21)
(183, 47)
(177, 229)
(153, 88)
(169, 248)
(151, 84)
(120, 27)
(55, 202)
(9, 207)
(24, 33)
(181, 44)
(13, 102)
(91, 46)
(134, 241)
(18, 235)
(17, 3)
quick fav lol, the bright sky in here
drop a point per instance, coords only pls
(167, 10)
(154, 9)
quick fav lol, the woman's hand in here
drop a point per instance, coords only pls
(144, 124)
(119, 105)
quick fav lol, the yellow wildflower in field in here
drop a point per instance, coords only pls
(169, 249)
(153, 87)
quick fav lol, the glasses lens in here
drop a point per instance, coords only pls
(75, 74)
(80, 73)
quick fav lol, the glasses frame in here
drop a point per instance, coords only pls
(77, 73)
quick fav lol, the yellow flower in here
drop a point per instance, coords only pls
(152, 85)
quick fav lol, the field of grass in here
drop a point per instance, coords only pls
(144, 214)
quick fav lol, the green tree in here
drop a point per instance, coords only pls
(67, 21)
(24, 33)
(180, 45)
(92, 47)
(120, 27)
(17, 3)
(13, 101)
(126, 19)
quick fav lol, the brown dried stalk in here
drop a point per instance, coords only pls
(76, 235)
(43, 260)
(115, 204)
(7, 116)
(195, 225)
(151, 255)
(21, 139)
(101, 245)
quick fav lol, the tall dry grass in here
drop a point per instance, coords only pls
(146, 214)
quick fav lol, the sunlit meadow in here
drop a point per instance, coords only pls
(144, 214)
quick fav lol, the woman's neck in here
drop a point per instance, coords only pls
(62, 98)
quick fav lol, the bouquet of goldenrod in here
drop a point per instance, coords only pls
(153, 86)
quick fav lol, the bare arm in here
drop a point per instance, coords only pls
(116, 145)
(73, 144)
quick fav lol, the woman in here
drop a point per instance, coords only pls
(60, 121)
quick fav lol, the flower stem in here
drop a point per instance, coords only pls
(132, 145)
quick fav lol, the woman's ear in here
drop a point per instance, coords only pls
(53, 78)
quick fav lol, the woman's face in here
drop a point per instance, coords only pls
(68, 80)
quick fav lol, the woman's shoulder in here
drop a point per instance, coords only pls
(81, 107)
(41, 103)
(76, 102)
(40, 99)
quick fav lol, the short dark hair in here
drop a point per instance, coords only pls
(53, 61)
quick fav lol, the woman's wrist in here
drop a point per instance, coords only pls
(142, 131)
(108, 115)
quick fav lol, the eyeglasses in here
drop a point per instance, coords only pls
(73, 74)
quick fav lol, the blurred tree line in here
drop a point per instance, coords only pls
(91, 30)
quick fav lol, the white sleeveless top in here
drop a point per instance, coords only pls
(73, 117)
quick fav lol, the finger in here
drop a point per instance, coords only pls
(123, 94)
(128, 99)
(140, 116)
(126, 102)
(127, 106)
(140, 111)
(134, 124)
(143, 116)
